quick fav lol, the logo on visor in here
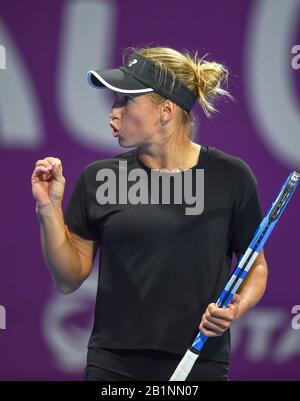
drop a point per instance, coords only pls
(131, 62)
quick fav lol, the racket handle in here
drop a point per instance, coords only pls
(185, 366)
(200, 340)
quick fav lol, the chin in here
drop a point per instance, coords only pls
(123, 144)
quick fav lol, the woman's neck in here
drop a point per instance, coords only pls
(170, 158)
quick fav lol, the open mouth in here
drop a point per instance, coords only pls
(115, 132)
(114, 129)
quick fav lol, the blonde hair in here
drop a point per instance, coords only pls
(202, 77)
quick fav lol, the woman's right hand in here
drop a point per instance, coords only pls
(47, 181)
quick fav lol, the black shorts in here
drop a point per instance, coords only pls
(134, 365)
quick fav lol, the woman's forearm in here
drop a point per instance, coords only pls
(59, 254)
(254, 286)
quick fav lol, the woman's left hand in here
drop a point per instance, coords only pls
(215, 321)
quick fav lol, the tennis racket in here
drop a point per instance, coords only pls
(240, 272)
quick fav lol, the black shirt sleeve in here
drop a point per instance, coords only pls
(76, 215)
(247, 212)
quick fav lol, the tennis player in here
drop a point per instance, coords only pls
(161, 269)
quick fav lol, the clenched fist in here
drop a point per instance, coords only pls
(216, 320)
(48, 183)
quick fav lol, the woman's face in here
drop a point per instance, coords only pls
(136, 118)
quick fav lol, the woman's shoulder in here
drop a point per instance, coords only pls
(231, 161)
(232, 165)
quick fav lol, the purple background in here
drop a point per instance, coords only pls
(46, 333)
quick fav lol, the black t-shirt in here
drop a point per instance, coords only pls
(159, 266)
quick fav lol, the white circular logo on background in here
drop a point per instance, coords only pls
(65, 337)
(269, 77)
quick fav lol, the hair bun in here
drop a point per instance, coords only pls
(209, 76)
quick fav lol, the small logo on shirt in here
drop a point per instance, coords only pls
(132, 62)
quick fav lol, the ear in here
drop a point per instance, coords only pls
(168, 111)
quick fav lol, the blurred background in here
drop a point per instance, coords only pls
(47, 109)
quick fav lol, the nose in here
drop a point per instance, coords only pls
(115, 110)
(113, 117)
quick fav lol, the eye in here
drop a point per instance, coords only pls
(127, 100)
(122, 98)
